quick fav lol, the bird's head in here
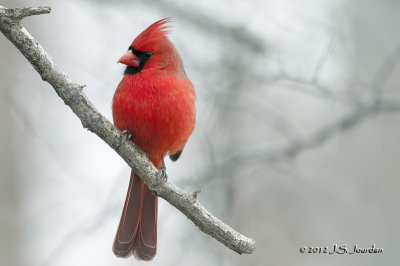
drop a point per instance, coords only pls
(152, 49)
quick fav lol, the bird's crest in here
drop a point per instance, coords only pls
(155, 33)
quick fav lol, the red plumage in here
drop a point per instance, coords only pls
(155, 102)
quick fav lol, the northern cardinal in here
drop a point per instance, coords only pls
(154, 102)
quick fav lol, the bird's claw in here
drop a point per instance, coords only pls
(127, 134)
(163, 170)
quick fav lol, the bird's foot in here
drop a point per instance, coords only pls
(127, 134)
(163, 170)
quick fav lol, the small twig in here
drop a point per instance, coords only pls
(72, 95)
(196, 193)
(16, 14)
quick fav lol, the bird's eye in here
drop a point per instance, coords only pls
(147, 55)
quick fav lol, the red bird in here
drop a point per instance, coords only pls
(155, 103)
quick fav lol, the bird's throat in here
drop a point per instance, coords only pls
(131, 70)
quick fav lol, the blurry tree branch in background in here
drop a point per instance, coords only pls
(211, 25)
(72, 95)
(303, 143)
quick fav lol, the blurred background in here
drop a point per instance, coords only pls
(296, 142)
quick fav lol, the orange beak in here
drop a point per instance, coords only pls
(129, 59)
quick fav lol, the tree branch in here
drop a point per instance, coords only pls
(72, 95)
(16, 14)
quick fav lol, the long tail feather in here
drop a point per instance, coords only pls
(137, 230)
(145, 246)
(130, 218)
